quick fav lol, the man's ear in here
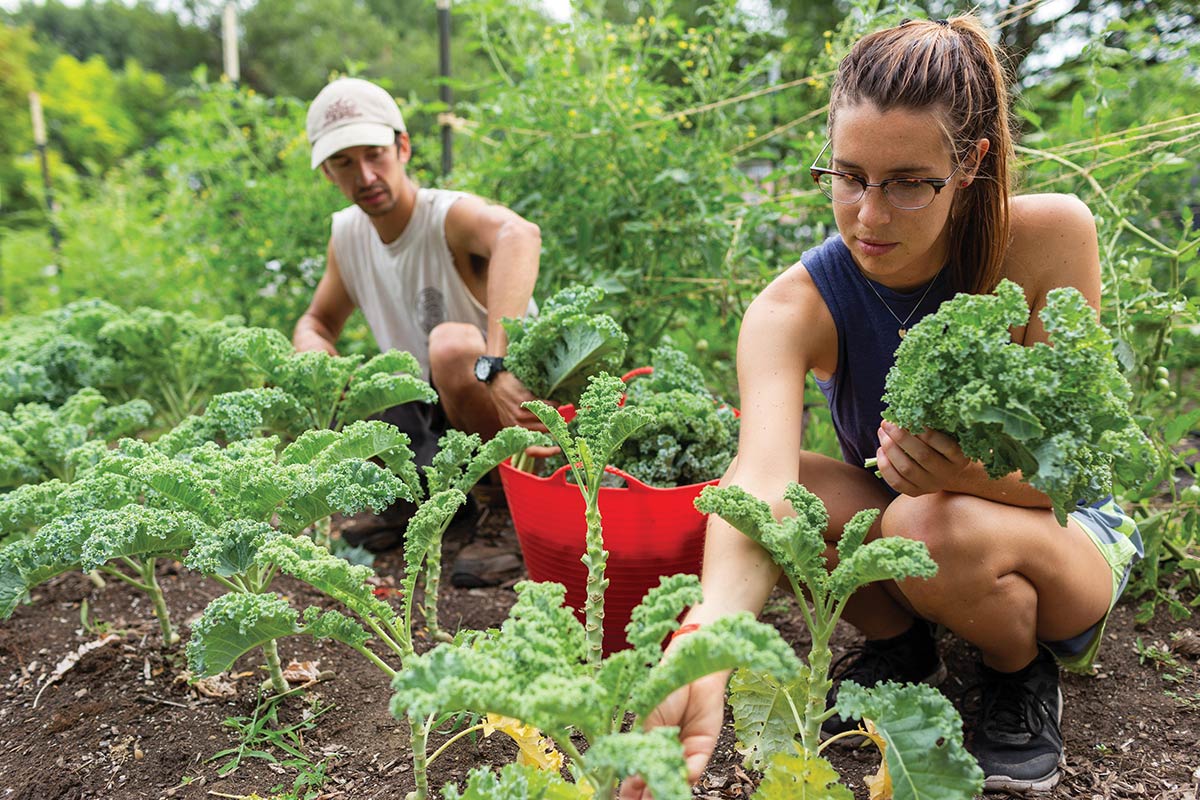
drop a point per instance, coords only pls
(403, 147)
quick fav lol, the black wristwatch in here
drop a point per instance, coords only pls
(488, 367)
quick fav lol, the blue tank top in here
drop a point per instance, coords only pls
(867, 340)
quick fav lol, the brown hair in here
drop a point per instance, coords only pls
(952, 67)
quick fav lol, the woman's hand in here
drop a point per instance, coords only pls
(917, 464)
(698, 710)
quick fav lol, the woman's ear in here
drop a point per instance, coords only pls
(975, 159)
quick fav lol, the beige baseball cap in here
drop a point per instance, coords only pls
(350, 112)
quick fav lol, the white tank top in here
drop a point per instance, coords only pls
(407, 287)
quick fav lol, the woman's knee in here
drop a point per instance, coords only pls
(939, 520)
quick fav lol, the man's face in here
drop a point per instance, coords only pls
(370, 176)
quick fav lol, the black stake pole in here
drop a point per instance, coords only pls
(39, 141)
(443, 13)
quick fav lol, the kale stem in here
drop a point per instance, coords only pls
(322, 531)
(420, 740)
(596, 561)
(377, 661)
(278, 682)
(452, 740)
(170, 637)
(433, 583)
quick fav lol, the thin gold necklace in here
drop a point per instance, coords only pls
(903, 322)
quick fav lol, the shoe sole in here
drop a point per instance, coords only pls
(933, 679)
(1003, 783)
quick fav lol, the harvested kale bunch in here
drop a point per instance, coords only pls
(691, 437)
(554, 353)
(1059, 413)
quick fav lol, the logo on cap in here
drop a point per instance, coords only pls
(340, 109)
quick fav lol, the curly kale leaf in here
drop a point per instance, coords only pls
(924, 755)
(767, 712)
(234, 624)
(800, 776)
(229, 550)
(38, 441)
(796, 544)
(505, 444)
(737, 640)
(656, 755)
(657, 616)
(533, 669)
(365, 439)
(389, 379)
(689, 439)
(424, 533)
(554, 353)
(882, 559)
(348, 486)
(132, 532)
(171, 359)
(603, 423)
(1058, 413)
(332, 576)
(516, 782)
(673, 371)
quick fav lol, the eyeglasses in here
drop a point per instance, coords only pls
(908, 194)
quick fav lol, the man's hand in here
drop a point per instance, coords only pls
(915, 464)
(698, 709)
(508, 394)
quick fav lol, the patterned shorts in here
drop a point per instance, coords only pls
(1117, 537)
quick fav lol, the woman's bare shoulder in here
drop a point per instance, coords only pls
(1053, 243)
(790, 309)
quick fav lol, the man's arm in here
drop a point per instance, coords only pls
(320, 326)
(512, 247)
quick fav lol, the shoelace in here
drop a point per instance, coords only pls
(866, 665)
(1012, 709)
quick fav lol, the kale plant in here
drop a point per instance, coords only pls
(554, 353)
(1059, 414)
(537, 669)
(245, 556)
(920, 732)
(330, 391)
(171, 359)
(38, 442)
(601, 426)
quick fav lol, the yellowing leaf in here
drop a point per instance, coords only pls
(879, 784)
(536, 750)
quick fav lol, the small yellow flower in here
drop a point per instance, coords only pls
(689, 63)
(828, 48)
(249, 93)
(566, 73)
(652, 20)
(572, 114)
(610, 38)
(641, 20)
(692, 31)
(683, 45)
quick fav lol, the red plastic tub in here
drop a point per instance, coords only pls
(648, 533)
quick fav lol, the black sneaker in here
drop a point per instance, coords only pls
(911, 657)
(1017, 737)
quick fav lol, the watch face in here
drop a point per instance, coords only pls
(483, 368)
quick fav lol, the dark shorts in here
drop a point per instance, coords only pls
(424, 423)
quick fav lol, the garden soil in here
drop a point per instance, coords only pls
(123, 721)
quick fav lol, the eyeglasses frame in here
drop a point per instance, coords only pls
(937, 183)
